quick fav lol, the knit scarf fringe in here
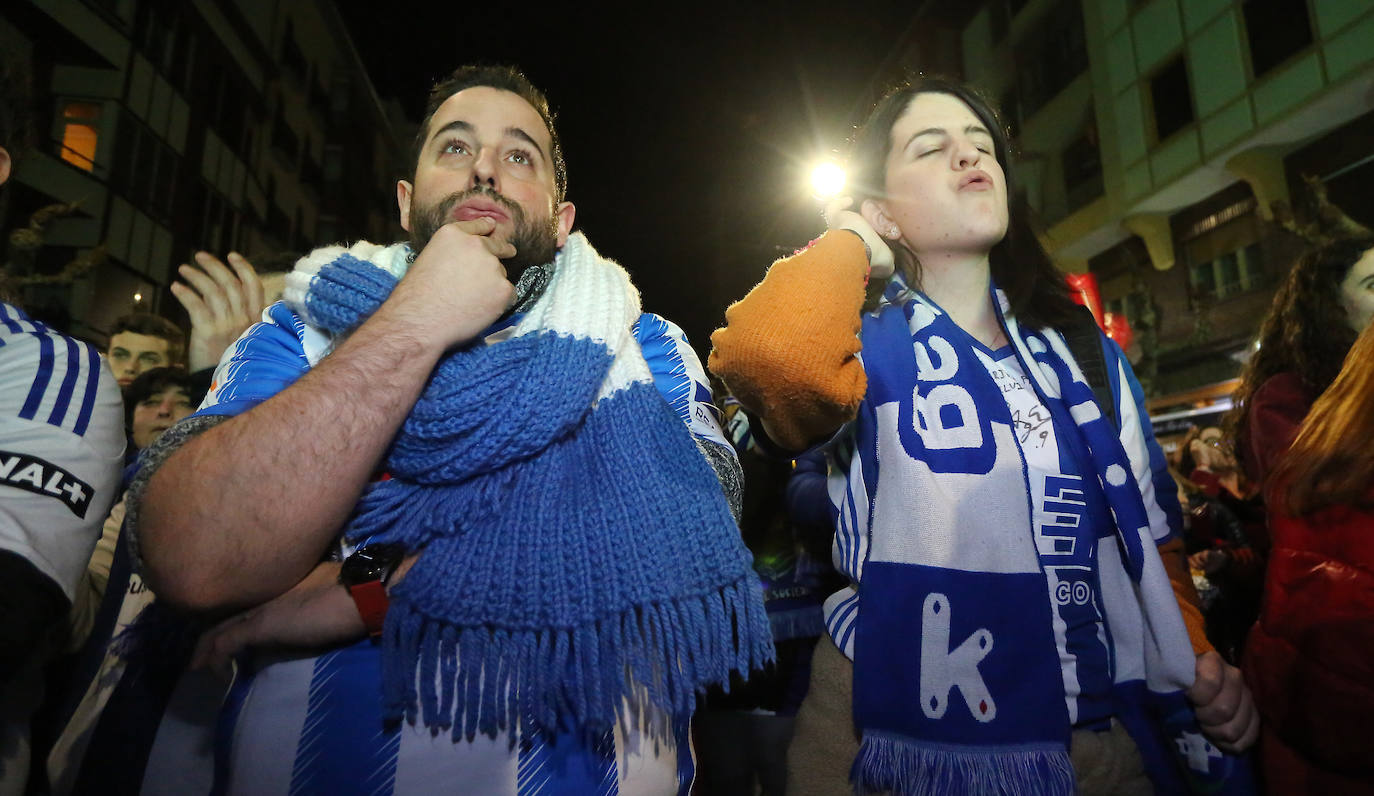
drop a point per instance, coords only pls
(468, 679)
(890, 763)
(580, 566)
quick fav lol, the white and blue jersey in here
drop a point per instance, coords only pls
(61, 446)
(1061, 504)
(312, 722)
(61, 450)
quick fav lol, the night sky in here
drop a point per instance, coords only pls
(688, 131)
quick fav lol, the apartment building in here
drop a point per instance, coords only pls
(245, 125)
(1164, 142)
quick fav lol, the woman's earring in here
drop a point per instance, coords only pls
(893, 232)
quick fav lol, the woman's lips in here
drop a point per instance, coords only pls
(976, 181)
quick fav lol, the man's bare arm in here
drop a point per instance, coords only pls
(244, 511)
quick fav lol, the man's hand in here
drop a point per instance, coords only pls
(316, 612)
(457, 285)
(1225, 710)
(222, 305)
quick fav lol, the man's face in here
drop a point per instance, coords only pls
(156, 413)
(132, 353)
(488, 154)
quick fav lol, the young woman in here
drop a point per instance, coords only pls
(1309, 656)
(998, 529)
(1324, 302)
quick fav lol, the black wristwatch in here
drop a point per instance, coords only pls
(365, 574)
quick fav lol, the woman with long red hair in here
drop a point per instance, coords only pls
(1310, 658)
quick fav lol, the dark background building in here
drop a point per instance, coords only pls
(245, 125)
(1165, 143)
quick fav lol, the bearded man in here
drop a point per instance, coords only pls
(475, 449)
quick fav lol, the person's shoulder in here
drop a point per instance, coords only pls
(282, 329)
(652, 326)
(666, 348)
(50, 378)
(1285, 386)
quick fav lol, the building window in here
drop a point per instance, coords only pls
(1172, 98)
(1082, 162)
(145, 169)
(1228, 259)
(292, 59)
(333, 163)
(1230, 274)
(284, 141)
(1050, 57)
(999, 21)
(1277, 30)
(80, 133)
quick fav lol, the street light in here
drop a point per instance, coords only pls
(827, 180)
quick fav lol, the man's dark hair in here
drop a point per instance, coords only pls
(1021, 267)
(152, 382)
(154, 326)
(505, 78)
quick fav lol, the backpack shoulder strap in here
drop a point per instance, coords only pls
(1085, 343)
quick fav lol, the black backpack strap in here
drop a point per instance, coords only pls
(1085, 343)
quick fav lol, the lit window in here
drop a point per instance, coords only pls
(80, 132)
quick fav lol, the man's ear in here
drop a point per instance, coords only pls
(403, 192)
(876, 215)
(565, 213)
(4, 165)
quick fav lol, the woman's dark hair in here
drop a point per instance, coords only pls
(1306, 332)
(1036, 289)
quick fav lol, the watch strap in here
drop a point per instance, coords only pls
(372, 602)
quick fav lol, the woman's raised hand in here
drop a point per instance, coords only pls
(839, 216)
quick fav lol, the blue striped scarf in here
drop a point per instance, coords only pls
(580, 564)
(961, 593)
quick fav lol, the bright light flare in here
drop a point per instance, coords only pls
(827, 180)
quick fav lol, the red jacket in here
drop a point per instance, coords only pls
(1310, 657)
(1276, 411)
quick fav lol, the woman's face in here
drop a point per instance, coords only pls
(946, 192)
(1357, 292)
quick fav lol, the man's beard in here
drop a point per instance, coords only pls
(534, 242)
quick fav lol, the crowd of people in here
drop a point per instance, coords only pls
(913, 535)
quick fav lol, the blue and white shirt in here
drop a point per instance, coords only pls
(61, 446)
(61, 451)
(312, 722)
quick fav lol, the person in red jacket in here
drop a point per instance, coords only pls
(1310, 658)
(1324, 302)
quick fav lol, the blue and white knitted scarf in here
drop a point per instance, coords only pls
(579, 562)
(961, 593)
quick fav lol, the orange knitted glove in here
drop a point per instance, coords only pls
(788, 349)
